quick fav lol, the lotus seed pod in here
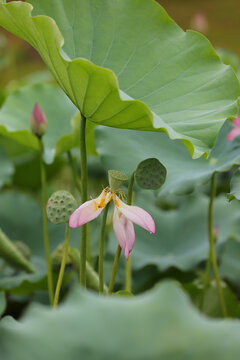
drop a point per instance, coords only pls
(116, 179)
(150, 174)
(57, 256)
(60, 206)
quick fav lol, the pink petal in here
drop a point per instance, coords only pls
(233, 133)
(137, 215)
(124, 231)
(38, 115)
(85, 213)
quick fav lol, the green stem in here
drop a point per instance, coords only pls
(74, 171)
(128, 263)
(92, 276)
(212, 246)
(83, 246)
(101, 249)
(128, 274)
(45, 224)
(62, 268)
(114, 269)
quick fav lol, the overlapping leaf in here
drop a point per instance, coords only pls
(176, 74)
(159, 324)
(124, 149)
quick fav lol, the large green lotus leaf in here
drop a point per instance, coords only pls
(6, 168)
(181, 237)
(180, 84)
(16, 112)
(161, 324)
(124, 149)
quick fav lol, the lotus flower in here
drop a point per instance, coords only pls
(236, 130)
(123, 218)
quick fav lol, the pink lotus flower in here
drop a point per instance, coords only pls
(236, 130)
(123, 218)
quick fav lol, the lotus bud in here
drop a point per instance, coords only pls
(38, 121)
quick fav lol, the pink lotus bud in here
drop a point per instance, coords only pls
(38, 121)
(199, 22)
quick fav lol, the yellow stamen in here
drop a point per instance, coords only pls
(116, 203)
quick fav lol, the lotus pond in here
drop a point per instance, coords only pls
(119, 184)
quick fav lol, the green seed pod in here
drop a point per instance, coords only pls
(24, 249)
(10, 253)
(60, 206)
(150, 174)
(116, 179)
(57, 256)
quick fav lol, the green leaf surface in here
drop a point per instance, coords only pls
(161, 324)
(131, 147)
(211, 304)
(235, 186)
(2, 302)
(230, 261)
(16, 112)
(181, 237)
(180, 84)
(6, 168)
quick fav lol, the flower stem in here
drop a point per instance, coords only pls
(74, 171)
(83, 246)
(45, 224)
(212, 246)
(92, 276)
(62, 268)
(101, 249)
(114, 269)
(128, 267)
